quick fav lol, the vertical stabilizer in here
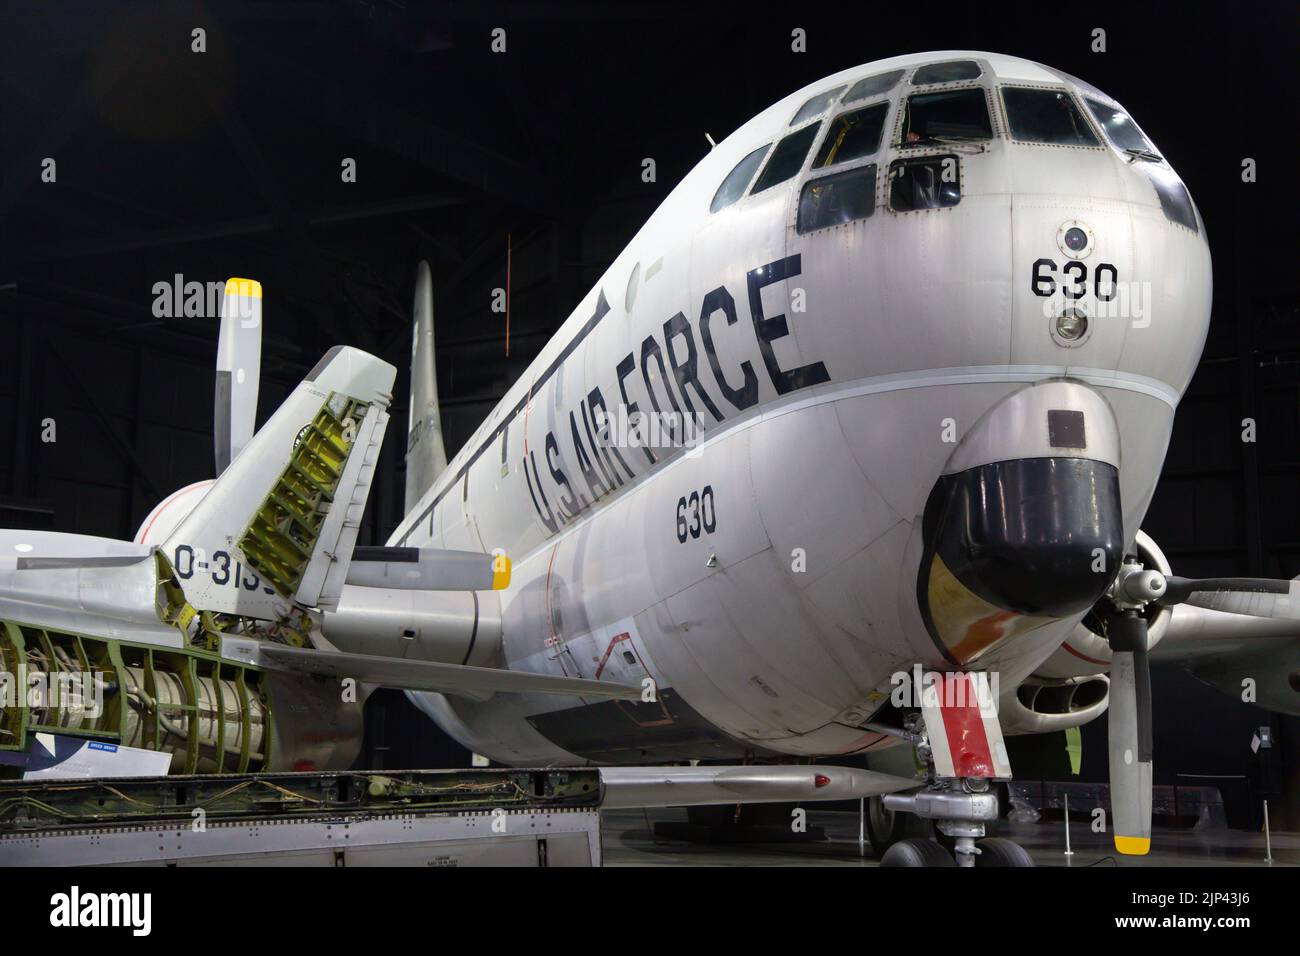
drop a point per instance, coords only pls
(290, 505)
(426, 456)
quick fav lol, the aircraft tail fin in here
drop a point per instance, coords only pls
(426, 455)
(280, 524)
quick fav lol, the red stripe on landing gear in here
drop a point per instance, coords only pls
(964, 727)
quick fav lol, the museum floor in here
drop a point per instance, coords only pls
(629, 840)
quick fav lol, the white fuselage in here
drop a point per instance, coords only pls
(766, 578)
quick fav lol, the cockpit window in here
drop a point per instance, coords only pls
(873, 86)
(852, 135)
(931, 118)
(1120, 130)
(837, 199)
(787, 158)
(733, 187)
(1173, 196)
(945, 72)
(1046, 116)
(816, 105)
(926, 182)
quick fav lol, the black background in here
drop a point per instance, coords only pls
(228, 163)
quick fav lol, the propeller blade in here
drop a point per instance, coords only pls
(1129, 737)
(239, 368)
(1258, 597)
(426, 454)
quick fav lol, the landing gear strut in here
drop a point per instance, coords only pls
(959, 798)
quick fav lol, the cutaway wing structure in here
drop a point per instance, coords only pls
(478, 683)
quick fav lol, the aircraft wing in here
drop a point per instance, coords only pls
(478, 683)
(1256, 659)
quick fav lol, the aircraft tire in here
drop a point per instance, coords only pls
(999, 851)
(885, 827)
(917, 852)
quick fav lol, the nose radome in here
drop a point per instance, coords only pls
(1025, 524)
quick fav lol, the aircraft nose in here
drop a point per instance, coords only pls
(1025, 526)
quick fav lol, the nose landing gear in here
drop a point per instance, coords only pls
(959, 798)
(959, 809)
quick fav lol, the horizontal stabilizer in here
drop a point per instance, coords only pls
(428, 569)
(694, 786)
(477, 683)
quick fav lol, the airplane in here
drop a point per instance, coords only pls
(847, 450)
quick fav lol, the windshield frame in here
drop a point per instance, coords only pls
(903, 114)
(1089, 123)
(1091, 103)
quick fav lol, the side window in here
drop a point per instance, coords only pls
(818, 104)
(787, 158)
(929, 182)
(873, 86)
(852, 135)
(1119, 128)
(947, 72)
(930, 118)
(733, 187)
(1046, 116)
(1174, 200)
(838, 198)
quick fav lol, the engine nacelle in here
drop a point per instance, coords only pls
(1044, 707)
(451, 627)
(1085, 652)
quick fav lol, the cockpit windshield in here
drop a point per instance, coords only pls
(1046, 116)
(948, 72)
(945, 117)
(873, 86)
(1120, 130)
(787, 158)
(852, 135)
(733, 187)
(816, 105)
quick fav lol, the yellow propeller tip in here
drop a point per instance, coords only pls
(500, 573)
(1133, 846)
(250, 288)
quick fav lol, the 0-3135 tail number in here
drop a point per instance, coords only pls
(224, 571)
